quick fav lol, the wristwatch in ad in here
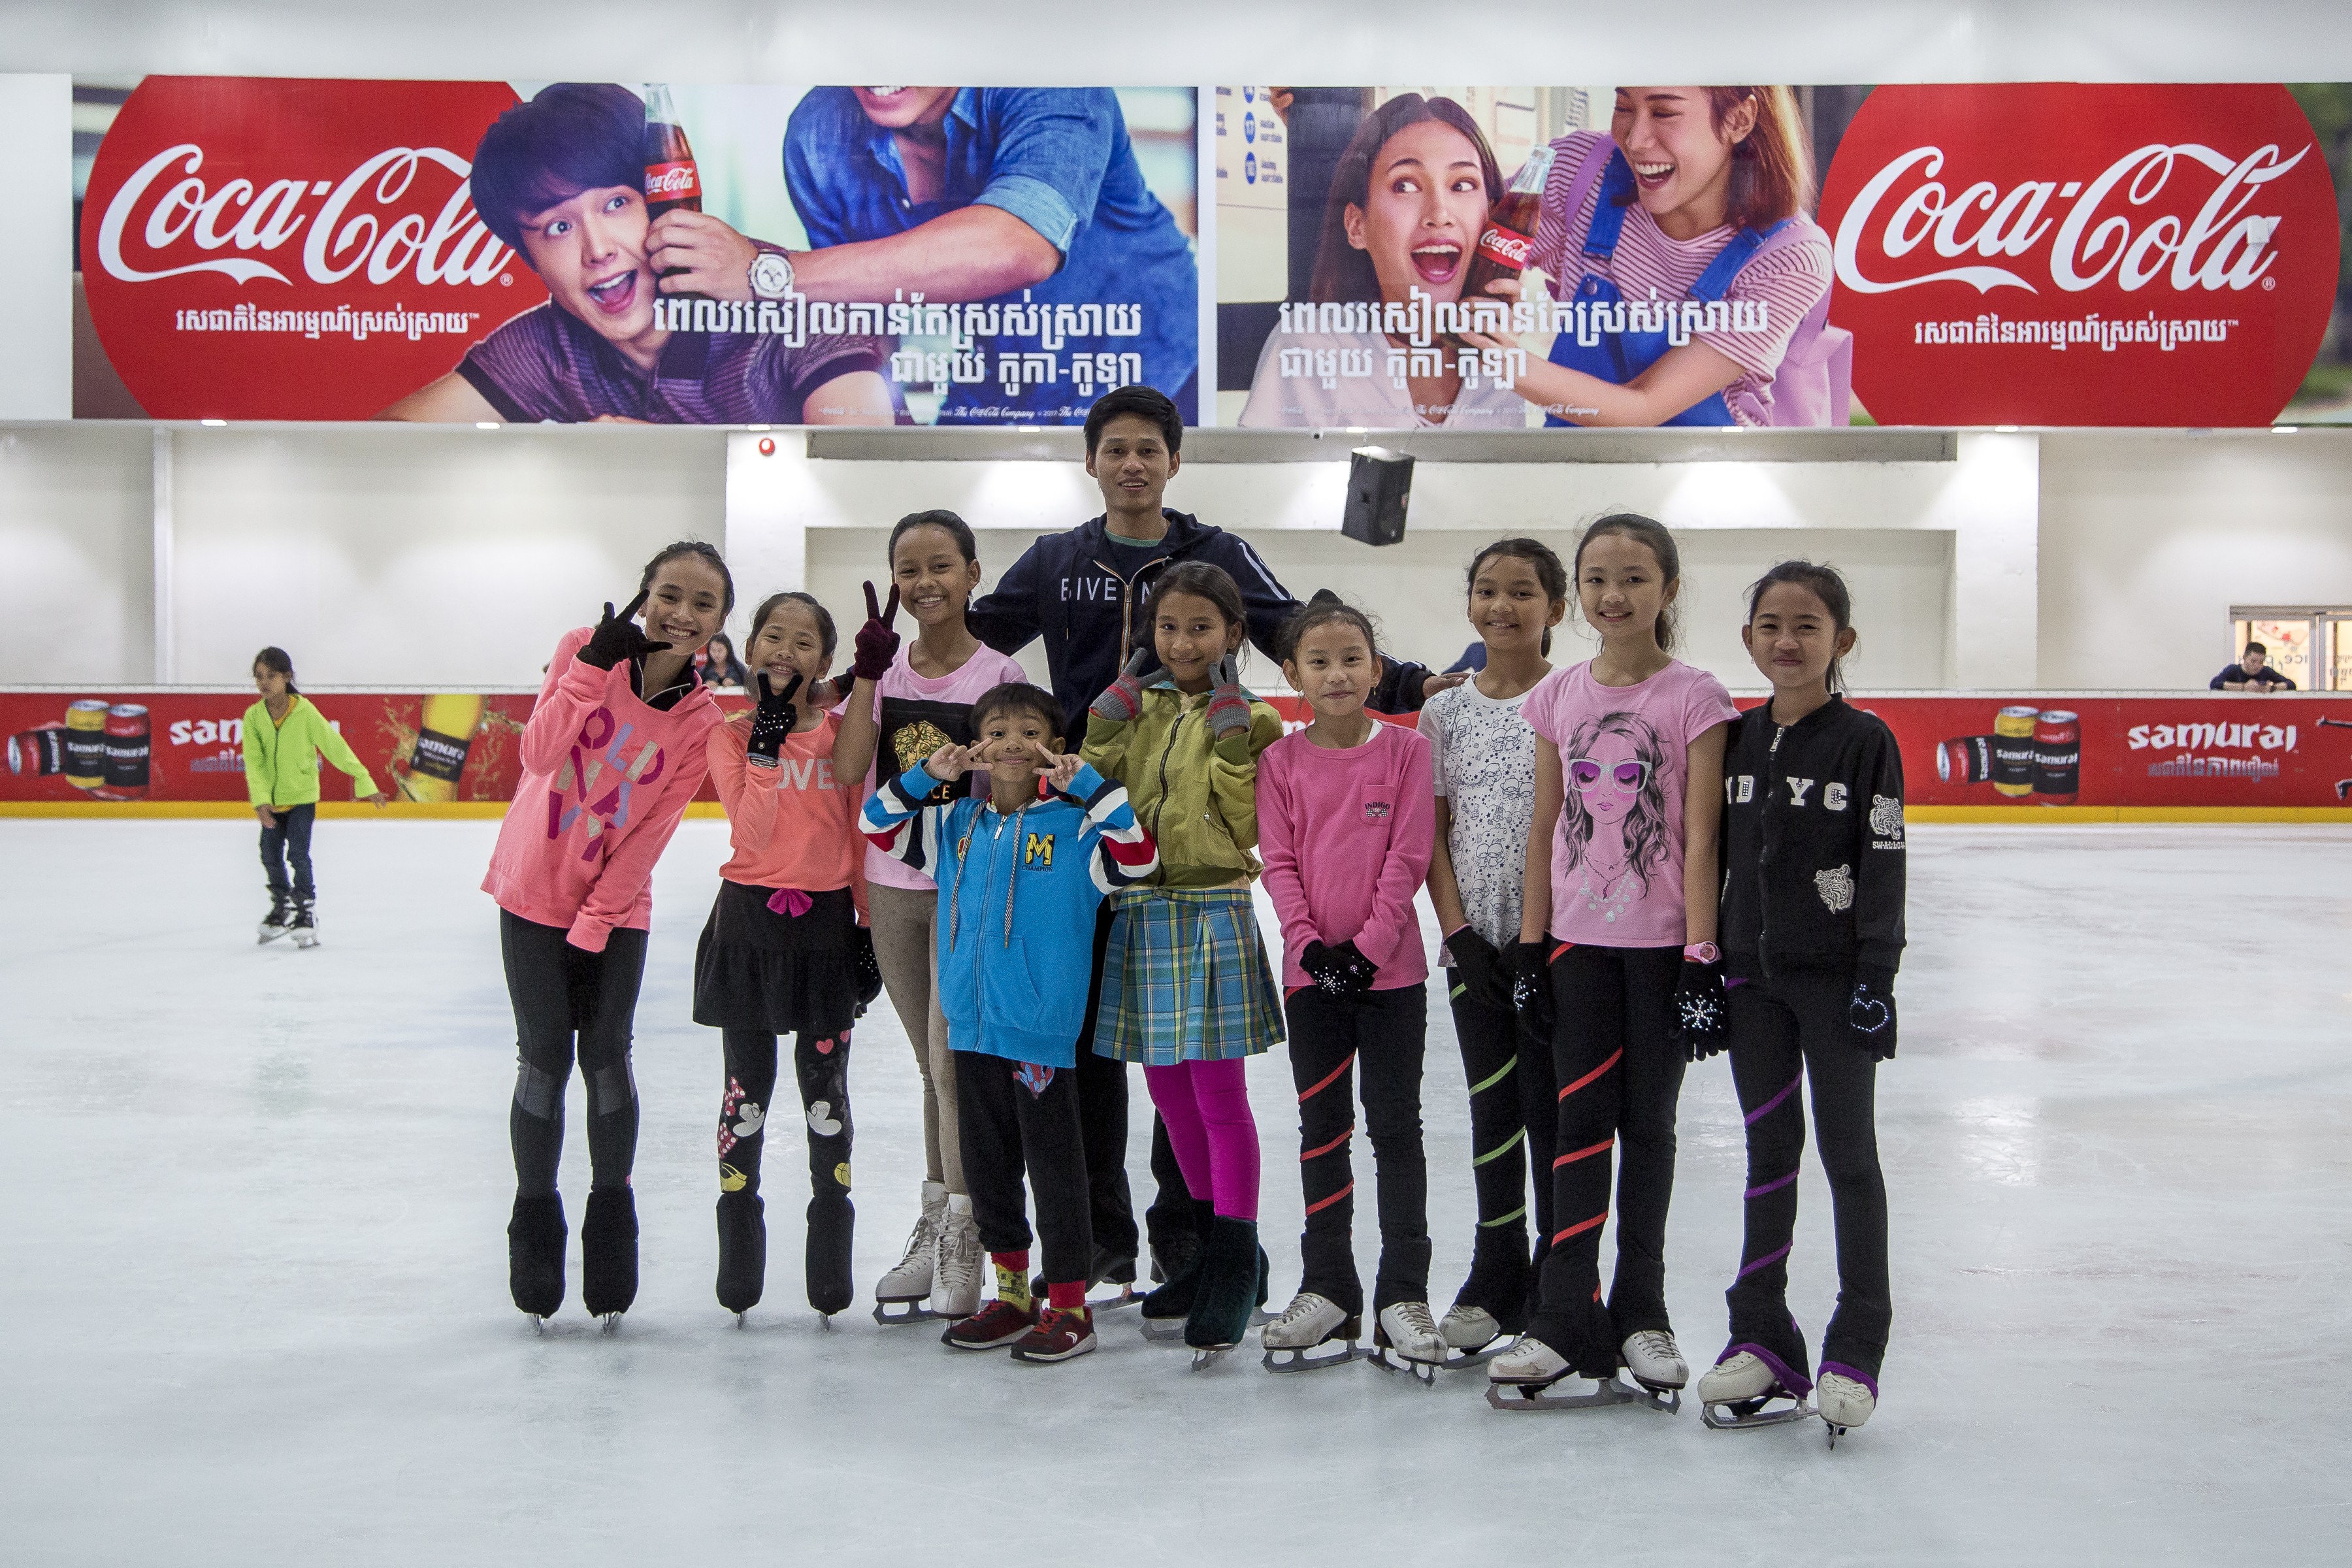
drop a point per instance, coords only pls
(772, 275)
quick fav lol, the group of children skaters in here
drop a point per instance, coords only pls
(1629, 874)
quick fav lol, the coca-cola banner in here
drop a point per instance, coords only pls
(2018, 253)
(521, 252)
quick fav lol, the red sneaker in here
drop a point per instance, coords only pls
(998, 1323)
(1058, 1336)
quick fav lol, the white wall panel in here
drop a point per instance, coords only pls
(74, 550)
(411, 557)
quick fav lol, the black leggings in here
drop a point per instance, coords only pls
(822, 1065)
(1791, 1026)
(289, 842)
(1011, 1116)
(1513, 1124)
(562, 994)
(1383, 1031)
(1620, 1073)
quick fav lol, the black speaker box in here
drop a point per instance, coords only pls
(1379, 484)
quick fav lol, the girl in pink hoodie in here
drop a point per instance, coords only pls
(1347, 818)
(611, 756)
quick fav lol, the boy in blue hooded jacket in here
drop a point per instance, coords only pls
(1021, 871)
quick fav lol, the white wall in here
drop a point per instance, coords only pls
(401, 556)
(2149, 538)
(1055, 41)
(1942, 554)
(74, 553)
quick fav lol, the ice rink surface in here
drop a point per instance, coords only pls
(253, 1299)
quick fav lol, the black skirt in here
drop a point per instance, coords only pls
(779, 975)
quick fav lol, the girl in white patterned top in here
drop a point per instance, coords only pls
(1484, 755)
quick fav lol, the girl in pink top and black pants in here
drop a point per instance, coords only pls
(1347, 817)
(611, 756)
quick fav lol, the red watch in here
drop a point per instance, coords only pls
(1702, 952)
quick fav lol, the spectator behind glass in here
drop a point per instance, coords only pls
(718, 663)
(2251, 673)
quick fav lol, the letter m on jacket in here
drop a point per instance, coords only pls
(1039, 851)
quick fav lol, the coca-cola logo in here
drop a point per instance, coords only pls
(277, 249)
(2081, 254)
(1504, 248)
(671, 182)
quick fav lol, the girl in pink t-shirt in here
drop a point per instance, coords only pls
(908, 702)
(1347, 817)
(1616, 972)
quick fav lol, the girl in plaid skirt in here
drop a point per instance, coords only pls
(1186, 990)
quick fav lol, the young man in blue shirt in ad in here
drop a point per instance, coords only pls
(1007, 197)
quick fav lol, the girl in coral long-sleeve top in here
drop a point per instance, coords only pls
(783, 952)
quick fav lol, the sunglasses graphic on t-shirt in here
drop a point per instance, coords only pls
(1584, 774)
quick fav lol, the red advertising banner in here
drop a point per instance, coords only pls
(2041, 253)
(1975, 750)
(284, 249)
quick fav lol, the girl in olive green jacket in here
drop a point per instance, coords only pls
(1185, 986)
(283, 733)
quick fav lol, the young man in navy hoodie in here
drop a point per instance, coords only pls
(1083, 592)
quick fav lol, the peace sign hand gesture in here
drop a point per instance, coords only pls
(878, 639)
(1056, 770)
(775, 718)
(617, 637)
(951, 762)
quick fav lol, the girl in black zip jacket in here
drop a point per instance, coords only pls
(1811, 931)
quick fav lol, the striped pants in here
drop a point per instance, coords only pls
(1619, 1072)
(1331, 1038)
(1783, 1031)
(1512, 1116)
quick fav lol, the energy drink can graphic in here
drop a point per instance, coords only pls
(445, 734)
(2057, 756)
(1965, 759)
(86, 745)
(128, 750)
(38, 752)
(2013, 750)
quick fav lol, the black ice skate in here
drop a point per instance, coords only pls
(1165, 1310)
(1232, 1275)
(281, 918)
(608, 1255)
(306, 923)
(831, 1222)
(535, 1238)
(742, 1251)
(1749, 1386)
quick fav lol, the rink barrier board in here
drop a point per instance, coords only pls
(482, 811)
(1981, 756)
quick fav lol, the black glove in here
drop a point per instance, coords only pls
(773, 719)
(617, 637)
(1532, 998)
(1700, 1022)
(1338, 971)
(870, 971)
(1478, 968)
(878, 639)
(1871, 1013)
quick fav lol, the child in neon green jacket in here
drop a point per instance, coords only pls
(284, 734)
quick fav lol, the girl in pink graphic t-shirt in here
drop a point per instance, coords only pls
(1616, 972)
(908, 702)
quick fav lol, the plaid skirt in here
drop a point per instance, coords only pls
(1185, 979)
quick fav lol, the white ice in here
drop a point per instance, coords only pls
(253, 1304)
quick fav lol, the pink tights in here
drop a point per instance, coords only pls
(1206, 1107)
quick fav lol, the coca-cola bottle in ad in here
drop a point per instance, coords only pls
(1510, 232)
(672, 181)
